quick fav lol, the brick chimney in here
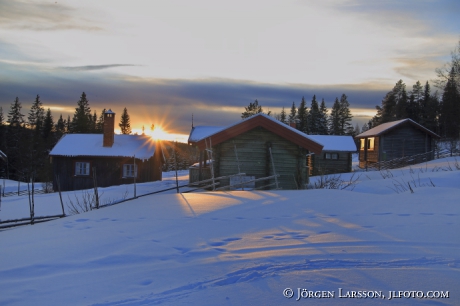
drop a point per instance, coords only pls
(109, 128)
(293, 124)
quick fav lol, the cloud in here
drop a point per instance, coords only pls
(40, 16)
(95, 67)
(169, 102)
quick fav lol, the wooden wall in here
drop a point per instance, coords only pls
(109, 171)
(254, 158)
(320, 165)
(404, 141)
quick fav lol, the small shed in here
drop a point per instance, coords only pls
(336, 156)
(393, 140)
(258, 146)
(117, 159)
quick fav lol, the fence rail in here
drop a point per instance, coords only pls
(409, 160)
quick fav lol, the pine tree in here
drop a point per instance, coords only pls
(36, 115)
(302, 116)
(251, 110)
(293, 113)
(345, 117)
(68, 125)
(283, 116)
(401, 100)
(16, 145)
(430, 110)
(125, 125)
(314, 117)
(334, 118)
(416, 101)
(323, 119)
(81, 122)
(2, 130)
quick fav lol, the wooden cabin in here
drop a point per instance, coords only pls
(393, 140)
(336, 156)
(259, 146)
(81, 160)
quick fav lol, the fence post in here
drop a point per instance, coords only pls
(95, 188)
(60, 195)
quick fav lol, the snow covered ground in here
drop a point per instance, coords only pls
(380, 241)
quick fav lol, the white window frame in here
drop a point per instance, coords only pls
(129, 170)
(82, 168)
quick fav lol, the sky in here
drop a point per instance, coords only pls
(169, 61)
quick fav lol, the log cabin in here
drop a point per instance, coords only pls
(259, 146)
(393, 140)
(81, 160)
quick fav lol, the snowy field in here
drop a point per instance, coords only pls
(374, 243)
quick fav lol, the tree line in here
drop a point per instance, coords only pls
(27, 141)
(313, 120)
(439, 112)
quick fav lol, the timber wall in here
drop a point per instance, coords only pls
(254, 159)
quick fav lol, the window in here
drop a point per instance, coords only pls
(361, 147)
(331, 156)
(82, 168)
(370, 143)
(129, 170)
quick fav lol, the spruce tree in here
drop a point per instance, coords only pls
(15, 117)
(450, 109)
(36, 115)
(48, 124)
(323, 119)
(302, 116)
(345, 117)
(293, 113)
(314, 117)
(100, 123)
(283, 116)
(334, 118)
(81, 122)
(125, 125)
(61, 126)
(251, 110)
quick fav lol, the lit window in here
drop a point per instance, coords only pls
(370, 143)
(362, 144)
(129, 170)
(82, 168)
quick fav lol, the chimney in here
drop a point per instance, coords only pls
(109, 128)
(293, 124)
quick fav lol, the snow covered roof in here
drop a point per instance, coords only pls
(219, 134)
(140, 146)
(335, 143)
(385, 127)
(200, 132)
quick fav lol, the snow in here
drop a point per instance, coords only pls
(384, 127)
(207, 131)
(141, 146)
(199, 132)
(335, 143)
(243, 247)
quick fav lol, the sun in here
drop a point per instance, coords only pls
(159, 133)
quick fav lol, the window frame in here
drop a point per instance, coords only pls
(87, 167)
(331, 156)
(126, 173)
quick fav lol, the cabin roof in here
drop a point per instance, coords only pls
(217, 136)
(335, 143)
(388, 126)
(70, 145)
